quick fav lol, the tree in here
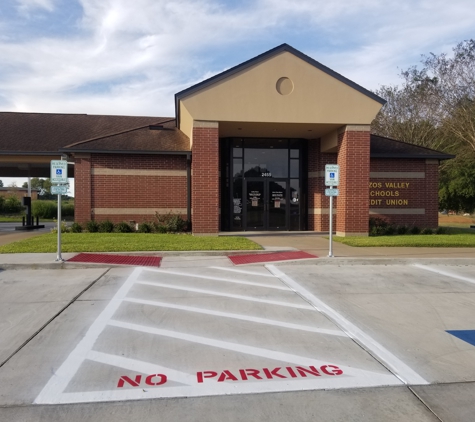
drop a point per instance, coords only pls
(1, 184)
(406, 116)
(43, 185)
(435, 107)
(457, 189)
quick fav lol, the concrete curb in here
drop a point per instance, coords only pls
(336, 261)
(339, 261)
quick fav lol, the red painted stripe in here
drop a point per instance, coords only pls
(269, 257)
(142, 261)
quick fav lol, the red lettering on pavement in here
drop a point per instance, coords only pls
(273, 372)
(159, 379)
(206, 374)
(134, 383)
(244, 375)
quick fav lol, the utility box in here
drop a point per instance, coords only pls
(26, 201)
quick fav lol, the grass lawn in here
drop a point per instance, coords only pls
(456, 221)
(450, 240)
(18, 219)
(127, 242)
(10, 219)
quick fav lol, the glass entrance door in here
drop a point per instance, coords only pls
(277, 208)
(266, 204)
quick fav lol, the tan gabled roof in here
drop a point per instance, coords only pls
(281, 86)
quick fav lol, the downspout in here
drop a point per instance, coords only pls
(188, 188)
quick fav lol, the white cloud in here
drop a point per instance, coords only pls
(28, 5)
(131, 57)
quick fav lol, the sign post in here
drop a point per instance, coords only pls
(332, 178)
(59, 176)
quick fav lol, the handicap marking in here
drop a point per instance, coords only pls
(465, 335)
(139, 379)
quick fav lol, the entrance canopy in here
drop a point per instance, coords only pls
(281, 93)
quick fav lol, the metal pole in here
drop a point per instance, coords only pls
(330, 253)
(59, 257)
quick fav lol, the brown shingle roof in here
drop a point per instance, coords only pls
(382, 147)
(162, 138)
(44, 132)
(38, 133)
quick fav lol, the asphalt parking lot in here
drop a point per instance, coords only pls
(202, 339)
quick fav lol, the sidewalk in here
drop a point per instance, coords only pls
(319, 245)
(314, 244)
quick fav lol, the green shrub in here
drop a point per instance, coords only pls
(92, 226)
(123, 227)
(106, 226)
(76, 228)
(377, 222)
(12, 205)
(427, 231)
(402, 229)
(414, 230)
(170, 223)
(440, 230)
(64, 228)
(380, 227)
(160, 229)
(44, 209)
(145, 228)
(2, 203)
(67, 209)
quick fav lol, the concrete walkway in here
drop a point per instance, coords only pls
(319, 245)
(315, 244)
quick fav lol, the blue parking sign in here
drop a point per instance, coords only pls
(59, 171)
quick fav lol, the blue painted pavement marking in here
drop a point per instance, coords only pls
(465, 335)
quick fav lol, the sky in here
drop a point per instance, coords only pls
(126, 57)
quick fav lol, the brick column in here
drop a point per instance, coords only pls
(82, 188)
(353, 199)
(205, 178)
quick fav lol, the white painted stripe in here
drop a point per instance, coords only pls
(226, 280)
(232, 296)
(242, 348)
(213, 388)
(400, 369)
(234, 270)
(61, 378)
(446, 273)
(238, 317)
(141, 366)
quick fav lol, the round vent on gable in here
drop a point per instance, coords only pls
(284, 86)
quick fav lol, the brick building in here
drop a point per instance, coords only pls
(246, 151)
(18, 192)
